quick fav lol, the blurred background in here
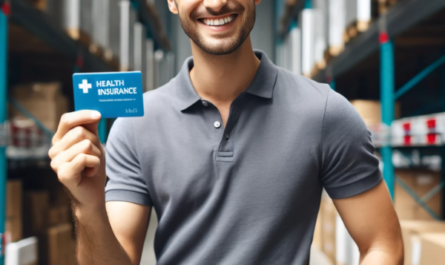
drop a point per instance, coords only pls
(386, 56)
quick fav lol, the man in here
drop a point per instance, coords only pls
(233, 155)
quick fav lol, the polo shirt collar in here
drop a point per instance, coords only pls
(261, 86)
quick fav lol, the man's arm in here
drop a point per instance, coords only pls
(129, 222)
(78, 158)
(112, 236)
(373, 224)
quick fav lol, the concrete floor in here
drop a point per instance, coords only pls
(148, 257)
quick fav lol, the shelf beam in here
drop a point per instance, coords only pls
(3, 116)
(387, 102)
(399, 18)
(419, 77)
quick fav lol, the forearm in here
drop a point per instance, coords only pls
(379, 256)
(96, 242)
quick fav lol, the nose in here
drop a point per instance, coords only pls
(215, 5)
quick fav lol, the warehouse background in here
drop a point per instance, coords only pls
(386, 56)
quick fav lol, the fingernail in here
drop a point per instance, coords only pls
(95, 114)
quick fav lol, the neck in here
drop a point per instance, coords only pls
(220, 79)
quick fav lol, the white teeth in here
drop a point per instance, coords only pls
(217, 22)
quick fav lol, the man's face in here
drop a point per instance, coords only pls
(217, 27)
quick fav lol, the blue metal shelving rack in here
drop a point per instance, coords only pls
(23, 14)
(3, 96)
(380, 35)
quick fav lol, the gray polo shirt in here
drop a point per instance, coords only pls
(249, 192)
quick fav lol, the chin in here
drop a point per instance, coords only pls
(219, 46)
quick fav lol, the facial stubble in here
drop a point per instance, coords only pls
(225, 48)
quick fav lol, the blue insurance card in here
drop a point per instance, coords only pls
(113, 94)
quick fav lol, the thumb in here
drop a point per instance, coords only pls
(94, 124)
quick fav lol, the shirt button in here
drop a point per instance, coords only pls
(217, 124)
(205, 103)
(227, 136)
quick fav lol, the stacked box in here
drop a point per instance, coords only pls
(307, 22)
(432, 249)
(411, 232)
(421, 182)
(58, 246)
(78, 19)
(14, 210)
(36, 207)
(128, 19)
(43, 100)
(369, 110)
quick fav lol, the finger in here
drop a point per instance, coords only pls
(83, 147)
(70, 173)
(71, 138)
(90, 171)
(87, 118)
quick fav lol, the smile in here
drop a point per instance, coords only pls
(218, 21)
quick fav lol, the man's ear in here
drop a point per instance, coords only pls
(172, 6)
(257, 2)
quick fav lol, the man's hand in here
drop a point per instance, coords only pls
(373, 224)
(78, 158)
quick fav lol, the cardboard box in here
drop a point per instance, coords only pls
(410, 232)
(58, 246)
(13, 198)
(58, 214)
(14, 228)
(328, 226)
(432, 249)
(421, 182)
(43, 100)
(371, 110)
(14, 210)
(36, 210)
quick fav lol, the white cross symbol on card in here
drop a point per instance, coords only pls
(85, 86)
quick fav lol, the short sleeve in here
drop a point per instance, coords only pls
(349, 166)
(125, 180)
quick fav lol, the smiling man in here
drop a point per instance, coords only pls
(233, 154)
